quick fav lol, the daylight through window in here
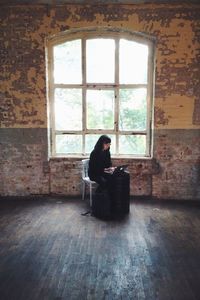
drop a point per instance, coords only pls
(101, 85)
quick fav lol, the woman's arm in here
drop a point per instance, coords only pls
(96, 165)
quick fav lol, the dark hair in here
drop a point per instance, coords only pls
(104, 139)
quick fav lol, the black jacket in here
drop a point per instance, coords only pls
(98, 161)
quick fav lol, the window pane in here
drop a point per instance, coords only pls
(132, 109)
(69, 144)
(67, 62)
(133, 61)
(100, 57)
(91, 139)
(132, 144)
(68, 109)
(100, 109)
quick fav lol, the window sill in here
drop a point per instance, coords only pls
(113, 157)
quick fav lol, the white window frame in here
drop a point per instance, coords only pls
(89, 33)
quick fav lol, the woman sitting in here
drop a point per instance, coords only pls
(100, 163)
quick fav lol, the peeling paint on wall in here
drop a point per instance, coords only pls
(160, 117)
(196, 114)
(22, 41)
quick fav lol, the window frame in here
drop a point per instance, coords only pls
(92, 33)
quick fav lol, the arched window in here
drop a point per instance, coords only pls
(100, 82)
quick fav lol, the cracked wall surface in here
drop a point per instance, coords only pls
(23, 97)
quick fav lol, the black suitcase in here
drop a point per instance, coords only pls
(121, 193)
(101, 204)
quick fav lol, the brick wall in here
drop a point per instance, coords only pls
(24, 165)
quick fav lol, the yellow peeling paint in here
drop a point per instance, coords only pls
(177, 37)
(31, 73)
(27, 108)
(178, 110)
(13, 77)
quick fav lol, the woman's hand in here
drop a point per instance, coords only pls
(109, 170)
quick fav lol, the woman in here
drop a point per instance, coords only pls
(100, 162)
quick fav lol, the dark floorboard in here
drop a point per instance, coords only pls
(49, 251)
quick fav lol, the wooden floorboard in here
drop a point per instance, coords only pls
(49, 251)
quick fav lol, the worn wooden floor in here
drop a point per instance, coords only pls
(49, 251)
